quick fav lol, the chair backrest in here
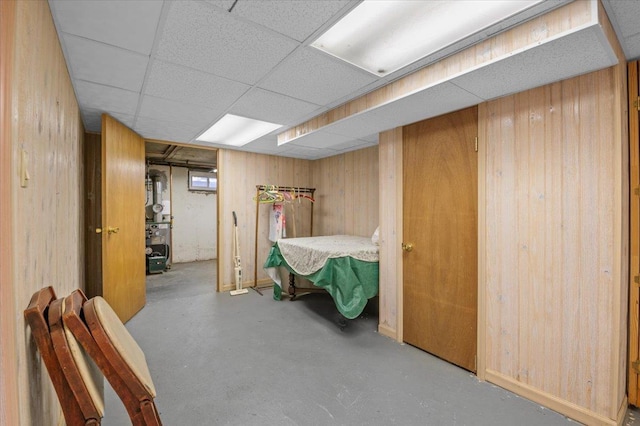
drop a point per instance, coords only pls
(76, 365)
(76, 410)
(103, 336)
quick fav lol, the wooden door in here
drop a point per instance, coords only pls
(634, 230)
(440, 211)
(123, 199)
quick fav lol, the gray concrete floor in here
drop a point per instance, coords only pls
(249, 360)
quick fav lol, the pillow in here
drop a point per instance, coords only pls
(375, 238)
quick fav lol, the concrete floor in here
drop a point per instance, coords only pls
(249, 360)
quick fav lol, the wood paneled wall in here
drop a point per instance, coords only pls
(47, 222)
(390, 207)
(8, 331)
(238, 174)
(556, 176)
(346, 202)
(553, 243)
(347, 193)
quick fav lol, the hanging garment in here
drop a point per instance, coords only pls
(277, 223)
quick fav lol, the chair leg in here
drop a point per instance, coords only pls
(150, 414)
(147, 415)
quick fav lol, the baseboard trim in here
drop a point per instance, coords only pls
(552, 402)
(387, 331)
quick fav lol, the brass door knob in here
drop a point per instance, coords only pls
(113, 229)
(407, 247)
(98, 230)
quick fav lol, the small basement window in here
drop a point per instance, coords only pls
(203, 181)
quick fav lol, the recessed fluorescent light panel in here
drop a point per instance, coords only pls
(236, 131)
(382, 36)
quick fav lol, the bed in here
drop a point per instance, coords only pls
(345, 266)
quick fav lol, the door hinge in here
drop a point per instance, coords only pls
(476, 144)
(636, 279)
(635, 365)
(636, 103)
(636, 191)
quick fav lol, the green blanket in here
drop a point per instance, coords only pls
(349, 281)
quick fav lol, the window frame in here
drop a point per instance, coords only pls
(212, 177)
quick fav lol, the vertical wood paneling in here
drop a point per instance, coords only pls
(238, 174)
(347, 193)
(328, 177)
(47, 220)
(553, 240)
(8, 358)
(391, 266)
(346, 202)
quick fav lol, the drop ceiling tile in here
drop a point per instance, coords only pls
(273, 107)
(314, 77)
(297, 19)
(191, 86)
(105, 64)
(632, 48)
(209, 39)
(307, 153)
(163, 130)
(223, 4)
(374, 138)
(130, 24)
(106, 98)
(321, 139)
(352, 145)
(92, 120)
(626, 14)
(176, 112)
(263, 145)
(125, 119)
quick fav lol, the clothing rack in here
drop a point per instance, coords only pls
(264, 188)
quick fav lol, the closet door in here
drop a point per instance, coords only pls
(440, 234)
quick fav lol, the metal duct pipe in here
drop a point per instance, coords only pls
(157, 199)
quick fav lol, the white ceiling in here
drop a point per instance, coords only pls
(170, 69)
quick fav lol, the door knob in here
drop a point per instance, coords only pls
(113, 229)
(407, 246)
(98, 230)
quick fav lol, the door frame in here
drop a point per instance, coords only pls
(633, 382)
(424, 133)
(394, 237)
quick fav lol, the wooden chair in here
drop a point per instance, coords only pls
(78, 408)
(75, 365)
(105, 338)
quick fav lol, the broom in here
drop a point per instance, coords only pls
(236, 260)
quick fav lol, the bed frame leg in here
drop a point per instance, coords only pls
(292, 286)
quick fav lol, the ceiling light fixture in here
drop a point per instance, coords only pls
(236, 131)
(382, 36)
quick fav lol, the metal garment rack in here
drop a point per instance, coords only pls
(259, 190)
